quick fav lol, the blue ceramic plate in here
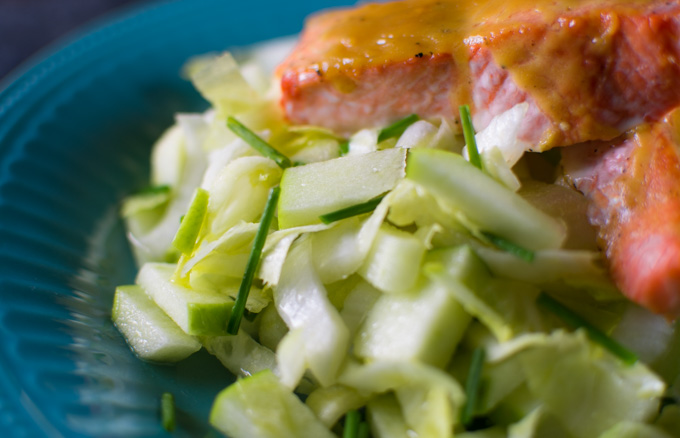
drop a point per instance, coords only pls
(75, 133)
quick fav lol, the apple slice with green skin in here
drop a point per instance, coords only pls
(240, 353)
(310, 191)
(424, 324)
(147, 329)
(330, 403)
(385, 417)
(198, 313)
(190, 227)
(491, 206)
(427, 411)
(393, 262)
(260, 406)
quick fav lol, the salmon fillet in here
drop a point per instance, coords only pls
(589, 69)
(322, 88)
(633, 185)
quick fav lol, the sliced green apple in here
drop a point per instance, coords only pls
(310, 191)
(196, 312)
(491, 206)
(425, 325)
(147, 329)
(385, 417)
(393, 262)
(330, 403)
(185, 239)
(260, 406)
(240, 353)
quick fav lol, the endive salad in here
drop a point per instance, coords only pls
(404, 282)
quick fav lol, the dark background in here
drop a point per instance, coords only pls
(26, 26)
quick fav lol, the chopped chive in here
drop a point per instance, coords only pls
(576, 321)
(469, 135)
(352, 210)
(344, 148)
(472, 386)
(352, 420)
(154, 190)
(191, 222)
(397, 128)
(510, 247)
(168, 419)
(257, 143)
(364, 431)
(253, 261)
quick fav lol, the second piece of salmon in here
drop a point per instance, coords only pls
(633, 185)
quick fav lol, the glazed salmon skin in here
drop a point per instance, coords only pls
(589, 70)
(634, 192)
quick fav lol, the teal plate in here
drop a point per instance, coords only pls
(76, 127)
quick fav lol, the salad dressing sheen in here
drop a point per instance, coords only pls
(515, 31)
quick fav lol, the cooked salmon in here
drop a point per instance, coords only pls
(633, 185)
(589, 69)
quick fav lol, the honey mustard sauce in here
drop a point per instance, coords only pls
(555, 50)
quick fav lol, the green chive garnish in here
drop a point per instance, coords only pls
(575, 321)
(472, 386)
(344, 148)
(469, 135)
(257, 143)
(168, 412)
(154, 190)
(353, 210)
(397, 128)
(352, 420)
(510, 247)
(253, 261)
(364, 430)
(191, 222)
